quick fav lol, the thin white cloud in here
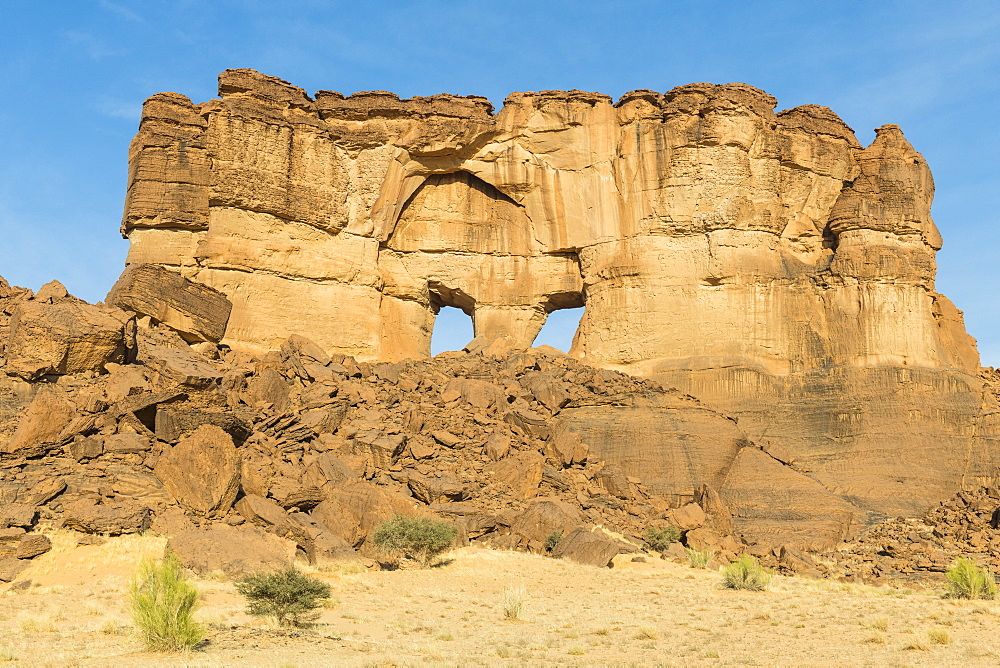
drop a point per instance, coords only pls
(94, 47)
(122, 11)
(128, 110)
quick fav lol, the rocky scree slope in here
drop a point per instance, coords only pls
(113, 424)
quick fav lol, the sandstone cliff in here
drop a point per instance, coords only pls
(762, 261)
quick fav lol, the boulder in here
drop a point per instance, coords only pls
(123, 444)
(436, 488)
(545, 516)
(497, 446)
(114, 518)
(11, 535)
(40, 425)
(202, 472)
(546, 389)
(479, 393)
(472, 521)
(258, 510)
(17, 515)
(171, 521)
(236, 551)
(33, 545)
(528, 423)
(587, 547)
(11, 567)
(716, 513)
(778, 505)
(522, 473)
(327, 472)
(196, 311)
(314, 539)
(44, 491)
(566, 447)
(269, 387)
(355, 510)
(181, 365)
(174, 421)
(66, 337)
(688, 516)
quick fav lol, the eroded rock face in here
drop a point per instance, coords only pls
(202, 471)
(762, 261)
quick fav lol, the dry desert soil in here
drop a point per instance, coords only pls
(650, 612)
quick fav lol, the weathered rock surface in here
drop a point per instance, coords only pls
(114, 517)
(762, 261)
(32, 545)
(588, 547)
(64, 337)
(196, 311)
(202, 472)
(41, 425)
(237, 552)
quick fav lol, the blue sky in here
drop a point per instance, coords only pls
(75, 72)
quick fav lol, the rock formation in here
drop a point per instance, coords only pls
(763, 360)
(764, 262)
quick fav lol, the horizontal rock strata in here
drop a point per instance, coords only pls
(762, 261)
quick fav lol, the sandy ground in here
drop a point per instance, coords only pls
(74, 613)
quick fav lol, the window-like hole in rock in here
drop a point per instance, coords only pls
(559, 329)
(452, 330)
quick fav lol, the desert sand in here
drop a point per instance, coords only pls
(74, 612)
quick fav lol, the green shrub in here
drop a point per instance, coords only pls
(422, 538)
(553, 539)
(659, 538)
(746, 573)
(163, 604)
(699, 558)
(291, 597)
(967, 580)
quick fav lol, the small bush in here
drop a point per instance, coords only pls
(699, 558)
(553, 539)
(967, 580)
(291, 597)
(659, 538)
(163, 604)
(422, 538)
(746, 573)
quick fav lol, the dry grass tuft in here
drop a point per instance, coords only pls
(746, 573)
(512, 601)
(699, 558)
(36, 623)
(939, 637)
(878, 624)
(647, 633)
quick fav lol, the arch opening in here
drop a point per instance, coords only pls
(452, 330)
(560, 328)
